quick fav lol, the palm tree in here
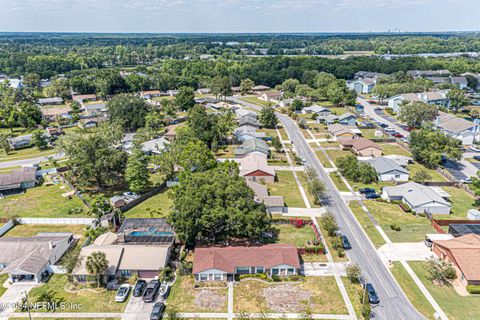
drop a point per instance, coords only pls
(96, 265)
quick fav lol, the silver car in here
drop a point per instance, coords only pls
(122, 293)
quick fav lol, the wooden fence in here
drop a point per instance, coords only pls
(143, 197)
(437, 224)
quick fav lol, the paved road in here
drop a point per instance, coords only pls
(370, 111)
(394, 304)
(30, 161)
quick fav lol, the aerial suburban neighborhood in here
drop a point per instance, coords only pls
(238, 175)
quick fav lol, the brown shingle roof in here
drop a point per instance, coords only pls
(227, 258)
(359, 144)
(15, 179)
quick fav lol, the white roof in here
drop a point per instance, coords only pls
(438, 236)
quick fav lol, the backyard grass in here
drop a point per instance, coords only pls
(257, 101)
(269, 132)
(394, 148)
(87, 301)
(367, 225)
(415, 167)
(370, 133)
(338, 110)
(302, 176)
(324, 296)
(329, 144)
(277, 158)
(323, 159)
(412, 291)
(335, 154)
(185, 298)
(287, 187)
(456, 307)
(338, 182)
(226, 153)
(288, 233)
(158, 206)
(462, 201)
(41, 202)
(28, 230)
(413, 228)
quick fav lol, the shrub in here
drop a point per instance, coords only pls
(329, 223)
(405, 207)
(354, 272)
(253, 275)
(473, 289)
(276, 278)
(395, 227)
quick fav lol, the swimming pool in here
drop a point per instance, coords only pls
(150, 233)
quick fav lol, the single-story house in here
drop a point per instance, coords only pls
(94, 109)
(254, 167)
(339, 131)
(249, 122)
(428, 73)
(260, 87)
(224, 263)
(51, 114)
(460, 81)
(17, 181)
(362, 147)
(347, 119)
(91, 122)
(155, 146)
(243, 134)
(13, 83)
(368, 75)
(28, 258)
(362, 86)
(274, 204)
(464, 254)
(319, 110)
(271, 96)
(240, 112)
(84, 97)
(388, 170)
(52, 101)
(462, 129)
(402, 161)
(204, 90)
(20, 142)
(473, 214)
(150, 94)
(256, 146)
(420, 198)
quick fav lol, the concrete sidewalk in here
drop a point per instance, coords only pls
(406, 251)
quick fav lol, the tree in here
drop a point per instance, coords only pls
(93, 158)
(96, 265)
(329, 223)
(136, 82)
(221, 86)
(365, 308)
(209, 128)
(277, 144)
(322, 81)
(246, 86)
(428, 146)
(185, 98)
(268, 118)
(31, 80)
(82, 85)
(415, 114)
(421, 175)
(458, 99)
(289, 87)
(58, 88)
(439, 271)
(128, 110)
(315, 186)
(354, 272)
(4, 143)
(215, 205)
(357, 171)
(40, 140)
(136, 172)
(296, 105)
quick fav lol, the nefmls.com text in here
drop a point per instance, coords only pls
(47, 306)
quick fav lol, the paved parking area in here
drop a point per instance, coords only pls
(136, 309)
(405, 251)
(456, 169)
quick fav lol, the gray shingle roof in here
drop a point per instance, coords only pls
(384, 165)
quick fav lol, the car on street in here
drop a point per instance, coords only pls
(372, 196)
(388, 129)
(466, 180)
(372, 294)
(157, 311)
(383, 125)
(139, 288)
(398, 135)
(122, 293)
(345, 243)
(476, 158)
(474, 149)
(151, 291)
(366, 190)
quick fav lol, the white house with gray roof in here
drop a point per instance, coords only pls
(388, 170)
(462, 129)
(420, 198)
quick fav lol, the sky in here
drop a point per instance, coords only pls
(239, 15)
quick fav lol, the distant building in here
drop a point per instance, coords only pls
(271, 96)
(459, 128)
(150, 94)
(50, 101)
(362, 86)
(438, 98)
(362, 147)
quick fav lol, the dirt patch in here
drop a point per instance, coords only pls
(286, 298)
(209, 299)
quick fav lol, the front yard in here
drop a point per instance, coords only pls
(288, 233)
(287, 187)
(302, 176)
(94, 300)
(42, 202)
(314, 294)
(185, 298)
(415, 167)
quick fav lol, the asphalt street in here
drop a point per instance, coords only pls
(393, 303)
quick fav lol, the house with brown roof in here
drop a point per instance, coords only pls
(362, 147)
(84, 97)
(274, 204)
(271, 96)
(254, 167)
(340, 131)
(150, 94)
(464, 253)
(52, 113)
(224, 263)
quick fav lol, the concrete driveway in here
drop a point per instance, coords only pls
(318, 269)
(405, 251)
(12, 296)
(136, 309)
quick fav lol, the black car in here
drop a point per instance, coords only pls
(372, 196)
(139, 288)
(345, 243)
(369, 125)
(165, 292)
(151, 291)
(366, 190)
(157, 311)
(383, 125)
(372, 295)
(476, 158)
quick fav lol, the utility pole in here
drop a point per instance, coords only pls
(28, 305)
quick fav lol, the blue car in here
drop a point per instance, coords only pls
(372, 196)
(372, 294)
(345, 243)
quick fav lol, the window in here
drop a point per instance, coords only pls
(125, 273)
(217, 277)
(203, 277)
(260, 270)
(243, 270)
(275, 272)
(397, 176)
(290, 271)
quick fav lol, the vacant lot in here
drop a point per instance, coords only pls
(158, 206)
(315, 294)
(101, 301)
(41, 202)
(288, 233)
(287, 187)
(185, 298)
(28, 230)
(456, 307)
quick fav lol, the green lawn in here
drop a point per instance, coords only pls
(148, 208)
(370, 133)
(367, 225)
(277, 158)
(338, 110)
(88, 301)
(256, 101)
(26, 154)
(287, 187)
(41, 202)
(412, 291)
(288, 233)
(330, 144)
(415, 167)
(394, 148)
(413, 228)
(353, 293)
(283, 133)
(302, 176)
(269, 132)
(323, 159)
(456, 307)
(462, 201)
(226, 153)
(28, 230)
(328, 241)
(338, 182)
(335, 154)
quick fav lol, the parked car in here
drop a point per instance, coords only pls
(366, 190)
(476, 158)
(151, 291)
(345, 243)
(388, 129)
(383, 125)
(122, 293)
(466, 180)
(398, 135)
(474, 149)
(369, 125)
(157, 311)
(372, 294)
(139, 288)
(372, 196)
(165, 292)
